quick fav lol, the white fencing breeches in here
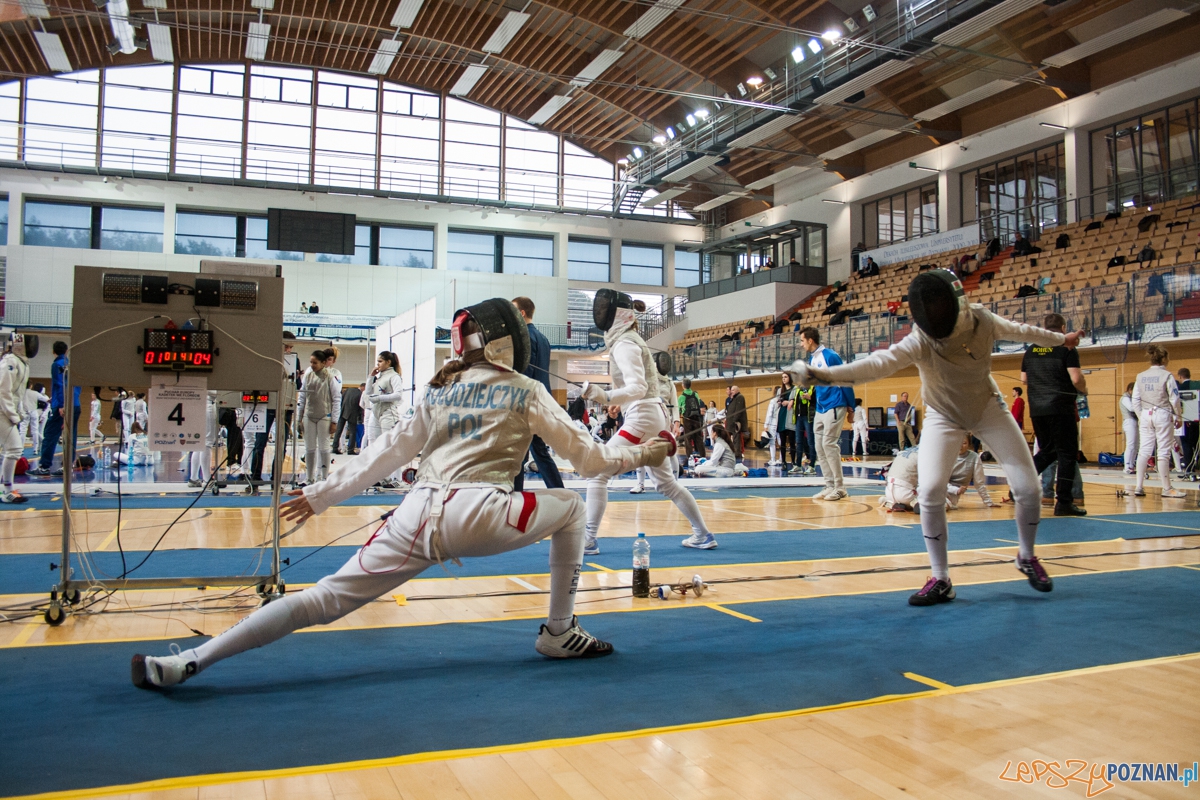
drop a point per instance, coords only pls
(318, 448)
(1156, 429)
(199, 464)
(862, 436)
(940, 442)
(643, 422)
(710, 470)
(13, 446)
(1130, 426)
(899, 493)
(475, 522)
(827, 430)
(93, 428)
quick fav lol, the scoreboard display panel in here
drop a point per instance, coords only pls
(174, 350)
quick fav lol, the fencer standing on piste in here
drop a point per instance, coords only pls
(319, 406)
(952, 348)
(635, 388)
(14, 376)
(1158, 407)
(472, 428)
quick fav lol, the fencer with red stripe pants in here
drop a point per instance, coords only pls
(475, 521)
(644, 420)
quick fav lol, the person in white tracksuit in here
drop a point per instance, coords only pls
(862, 433)
(633, 371)
(771, 429)
(472, 428)
(94, 419)
(1158, 406)
(951, 346)
(721, 463)
(31, 419)
(200, 461)
(318, 407)
(128, 414)
(1129, 426)
(14, 378)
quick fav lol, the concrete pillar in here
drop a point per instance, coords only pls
(560, 254)
(949, 201)
(16, 217)
(169, 227)
(669, 267)
(441, 238)
(614, 261)
(1078, 169)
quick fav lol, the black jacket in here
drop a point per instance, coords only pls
(539, 357)
(735, 412)
(350, 408)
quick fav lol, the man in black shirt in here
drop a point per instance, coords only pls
(1053, 378)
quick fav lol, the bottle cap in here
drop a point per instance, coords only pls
(641, 536)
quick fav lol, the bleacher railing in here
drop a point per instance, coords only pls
(1157, 303)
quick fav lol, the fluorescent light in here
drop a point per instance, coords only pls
(258, 35)
(833, 202)
(161, 5)
(118, 18)
(754, 81)
(798, 53)
(670, 132)
(35, 8)
(702, 113)
(623, 162)
(652, 18)
(160, 42)
(915, 165)
(1054, 125)
(549, 109)
(382, 62)
(504, 34)
(406, 13)
(52, 50)
(265, 5)
(466, 82)
(815, 45)
(1114, 37)
(598, 65)
(831, 35)
(637, 152)
(691, 120)
(659, 139)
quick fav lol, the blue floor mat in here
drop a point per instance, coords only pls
(331, 697)
(26, 573)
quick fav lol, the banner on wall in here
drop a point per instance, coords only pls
(411, 336)
(925, 246)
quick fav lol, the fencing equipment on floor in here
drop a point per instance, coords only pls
(861, 431)
(960, 396)
(200, 461)
(94, 421)
(968, 469)
(14, 375)
(1129, 424)
(1156, 402)
(472, 435)
(632, 369)
(318, 406)
(720, 464)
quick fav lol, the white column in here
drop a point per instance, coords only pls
(668, 268)
(1078, 170)
(560, 254)
(441, 236)
(169, 227)
(16, 217)
(949, 201)
(614, 260)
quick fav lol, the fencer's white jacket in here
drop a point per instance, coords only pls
(95, 409)
(860, 418)
(1127, 412)
(666, 390)
(772, 424)
(955, 372)
(385, 392)
(320, 396)
(631, 364)
(1156, 389)
(475, 432)
(33, 396)
(967, 468)
(14, 374)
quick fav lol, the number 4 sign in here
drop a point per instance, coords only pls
(178, 411)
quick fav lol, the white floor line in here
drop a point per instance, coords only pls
(774, 519)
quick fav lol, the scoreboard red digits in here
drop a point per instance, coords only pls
(177, 350)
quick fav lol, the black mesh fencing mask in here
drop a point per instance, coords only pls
(663, 362)
(935, 299)
(24, 344)
(606, 305)
(503, 334)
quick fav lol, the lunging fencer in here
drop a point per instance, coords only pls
(635, 388)
(14, 376)
(472, 428)
(318, 407)
(951, 346)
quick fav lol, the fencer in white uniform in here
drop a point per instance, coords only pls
(14, 377)
(472, 427)
(141, 412)
(1129, 425)
(32, 417)
(94, 420)
(669, 395)
(1158, 406)
(318, 407)
(862, 434)
(634, 388)
(771, 429)
(902, 480)
(951, 347)
(128, 413)
(200, 461)
(385, 394)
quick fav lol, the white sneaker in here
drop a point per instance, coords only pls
(1176, 494)
(13, 498)
(701, 541)
(821, 494)
(591, 547)
(149, 672)
(836, 494)
(574, 642)
(637, 489)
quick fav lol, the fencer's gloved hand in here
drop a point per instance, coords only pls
(805, 376)
(593, 392)
(1073, 339)
(653, 452)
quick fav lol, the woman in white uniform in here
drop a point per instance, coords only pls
(94, 420)
(200, 461)
(862, 433)
(472, 428)
(1157, 404)
(1129, 425)
(141, 412)
(128, 413)
(318, 407)
(771, 430)
(951, 347)
(721, 463)
(634, 389)
(385, 395)
(14, 378)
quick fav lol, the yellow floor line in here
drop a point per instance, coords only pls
(21, 638)
(1189, 566)
(104, 545)
(732, 613)
(912, 676)
(196, 781)
(597, 567)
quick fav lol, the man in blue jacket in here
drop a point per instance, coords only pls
(54, 424)
(833, 403)
(539, 370)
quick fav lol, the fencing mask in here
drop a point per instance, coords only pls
(935, 299)
(612, 308)
(24, 345)
(663, 362)
(503, 334)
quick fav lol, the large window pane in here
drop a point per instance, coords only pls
(10, 114)
(687, 268)
(362, 249)
(201, 234)
(406, 247)
(209, 136)
(139, 229)
(256, 242)
(137, 118)
(3, 220)
(528, 255)
(471, 252)
(58, 225)
(641, 264)
(588, 261)
(279, 133)
(60, 118)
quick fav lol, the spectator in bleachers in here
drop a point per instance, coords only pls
(793, 262)
(769, 265)
(1023, 247)
(872, 267)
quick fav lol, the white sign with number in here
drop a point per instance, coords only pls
(256, 420)
(177, 412)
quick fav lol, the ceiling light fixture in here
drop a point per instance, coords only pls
(406, 13)
(831, 35)
(798, 53)
(742, 89)
(161, 48)
(915, 165)
(659, 139)
(833, 202)
(35, 8)
(691, 120)
(52, 50)
(670, 132)
(869, 13)
(850, 24)
(1054, 125)
(637, 152)
(702, 113)
(118, 18)
(770, 73)
(382, 62)
(258, 35)
(622, 162)
(815, 45)
(504, 34)
(754, 81)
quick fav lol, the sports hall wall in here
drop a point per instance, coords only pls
(1106, 373)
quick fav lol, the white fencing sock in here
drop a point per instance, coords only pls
(267, 624)
(566, 559)
(1164, 471)
(597, 501)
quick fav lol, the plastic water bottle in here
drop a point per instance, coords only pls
(129, 457)
(106, 459)
(1081, 405)
(641, 566)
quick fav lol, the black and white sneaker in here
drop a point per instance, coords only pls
(933, 592)
(11, 497)
(1038, 578)
(153, 672)
(574, 642)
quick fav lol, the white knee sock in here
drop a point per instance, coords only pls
(267, 624)
(7, 471)
(933, 529)
(566, 559)
(773, 450)
(1164, 471)
(683, 500)
(597, 501)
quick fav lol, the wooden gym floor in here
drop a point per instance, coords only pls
(945, 742)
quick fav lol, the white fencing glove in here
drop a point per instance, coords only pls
(595, 392)
(803, 375)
